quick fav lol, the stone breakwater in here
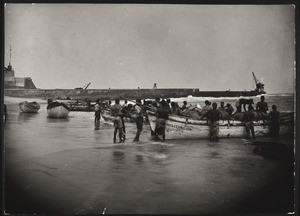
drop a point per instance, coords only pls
(103, 94)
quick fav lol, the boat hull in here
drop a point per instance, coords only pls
(58, 111)
(29, 107)
(179, 127)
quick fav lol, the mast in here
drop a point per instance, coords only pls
(10, 55)
(9, 67)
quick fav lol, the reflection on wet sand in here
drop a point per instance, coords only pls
(24, 117)
(118, 156)
(139, 159)
(57, 120)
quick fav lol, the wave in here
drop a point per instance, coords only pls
(197, 99)
(281, 95)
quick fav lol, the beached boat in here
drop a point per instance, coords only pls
(58, 110)
(29, 107)
(180, 127)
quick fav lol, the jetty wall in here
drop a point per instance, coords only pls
(103, 94)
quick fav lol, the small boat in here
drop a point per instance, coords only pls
(29, 107)
(58, 110)
(181, 127)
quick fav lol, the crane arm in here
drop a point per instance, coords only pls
(255, 79)
(85, 87)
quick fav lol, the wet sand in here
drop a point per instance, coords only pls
(66, 166)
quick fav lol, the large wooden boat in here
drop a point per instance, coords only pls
(29, 107)
(180, 127)
(58, 110)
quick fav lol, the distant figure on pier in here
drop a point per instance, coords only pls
(274, 118)
(154, 86)
(139, 119)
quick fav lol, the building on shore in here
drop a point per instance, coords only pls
(10, 81)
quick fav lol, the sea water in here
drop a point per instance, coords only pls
(66, 166)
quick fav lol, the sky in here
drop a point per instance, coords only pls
(210, 47)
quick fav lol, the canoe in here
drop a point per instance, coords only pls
(58, 110)
(29, 107)
(180, 127)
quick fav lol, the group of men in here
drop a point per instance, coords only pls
(118, 113)
(214, 115)
(163, 108)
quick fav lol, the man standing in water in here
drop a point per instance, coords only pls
(274, 118)
(116, 112)
(125, 113)
(213, 117)
(139, 119)
(248, 119)
(162, 116)
(97, 111)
